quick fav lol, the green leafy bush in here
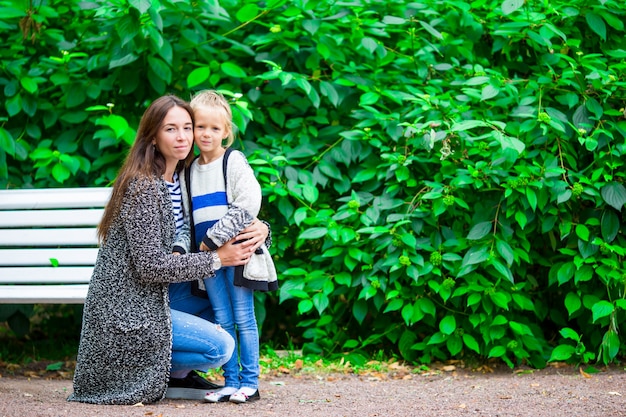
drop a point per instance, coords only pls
(443, 178)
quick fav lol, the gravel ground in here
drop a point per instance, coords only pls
(554, 391)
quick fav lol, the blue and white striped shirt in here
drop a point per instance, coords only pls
(175, 194)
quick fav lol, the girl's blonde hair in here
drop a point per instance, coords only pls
(214, 100)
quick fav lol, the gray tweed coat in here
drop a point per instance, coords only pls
(125, 347)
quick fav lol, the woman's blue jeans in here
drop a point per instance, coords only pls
(197, 344)
(234, 311)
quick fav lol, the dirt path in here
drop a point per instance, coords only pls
(552, 392)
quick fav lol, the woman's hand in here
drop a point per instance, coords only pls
(256, 233)
(233, 254)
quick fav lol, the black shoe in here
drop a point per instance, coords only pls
(191, 387)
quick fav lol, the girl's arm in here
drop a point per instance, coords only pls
(182, 241)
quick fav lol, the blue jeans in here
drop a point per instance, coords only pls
(234, 311)
(197, 344)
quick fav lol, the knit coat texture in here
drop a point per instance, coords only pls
(126, 339)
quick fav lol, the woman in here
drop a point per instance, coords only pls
(125, 351)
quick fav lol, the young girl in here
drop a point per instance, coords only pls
(224, 199)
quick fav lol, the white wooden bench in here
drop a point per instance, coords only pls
(48, 243)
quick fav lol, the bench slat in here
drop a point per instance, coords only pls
(54, 198)
(44, 275)
(50, 218)
(48, 237)
(41, 257)
(53, 223)
(38, 294)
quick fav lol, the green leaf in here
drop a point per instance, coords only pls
(596, 24)
(524, 302)
(321, 302)
(304, 306)
(60, 173)
(509, 6)
(409, 240)
(610, 225)
(368, 99)
(454, 345)
(503, 270)
(467, 125)
(128, 28)
(505, 250)
(247, 12)
(562, 353)
(329, 91)
(488, 92)
(7, 143)
(531, 196)
(471, 342)
(310, 193)
(500, 299)
(520, 329)
(407, 314)
(602, 309)
(431, 30)
(521, 219)
(497, 352)
(610, 346)
(393, 20)
(447, 325)
(581, 119)
(160, 68)
(359, 310)
(475, 255)
(394, 305)
(582, 232)
(565, 272)
(614, 194)
(572, 303)
(141, 5)
(427, 306)
(314, 233)
(233, 70)
(56, 366)
(11, 13)
(568, 333)
(480, 230)
(125, 60)
(29, 84)
(369, 44)
(365, 175)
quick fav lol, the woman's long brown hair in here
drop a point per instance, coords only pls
(143, 159)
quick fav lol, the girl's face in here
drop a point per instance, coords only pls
(174, 138)
(211, 128)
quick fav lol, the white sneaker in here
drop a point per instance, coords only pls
(241, 397)
(220, 396)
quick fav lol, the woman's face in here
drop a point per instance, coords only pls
(174, 138)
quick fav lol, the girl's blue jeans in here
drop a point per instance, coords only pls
(197, 344)
(234, 311)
